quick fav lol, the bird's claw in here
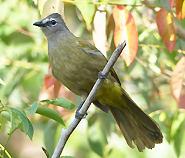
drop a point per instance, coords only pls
(102, 76)
(77, 114)
(80, 116)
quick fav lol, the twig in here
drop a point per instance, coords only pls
(67, 132)
(146, 66)
(5, 151)
(18, 28)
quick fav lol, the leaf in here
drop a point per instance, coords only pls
(45, 111)
(87, 10)
(32, 108)
(171, 2)
(52, 6)
(125, 29)
(110, 32)
(96, 136)
(180, 9)
(15, 122)
(50, 141)
(49, 80)
(176, 83)
(99, 24)
(22, 117)
(18, 120)
(166, 29)
(13, 118)
(177, 131)
(31, 130)
(62, 102)
(27, 126)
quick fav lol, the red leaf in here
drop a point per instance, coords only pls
(49, 80)
(125, 29)
(180, 9)
(171, 3)
(166, 29)
(176, 83)
(53, 89)
(56, 88)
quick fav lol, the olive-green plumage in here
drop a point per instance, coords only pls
(76, 63)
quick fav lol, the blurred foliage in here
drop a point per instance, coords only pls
(24, 63)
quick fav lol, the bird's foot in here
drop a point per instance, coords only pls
(78, 115)
(102, 76)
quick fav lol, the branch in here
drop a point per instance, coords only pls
(67, 132)
(18, 28)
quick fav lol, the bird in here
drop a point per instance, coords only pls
(76, 63)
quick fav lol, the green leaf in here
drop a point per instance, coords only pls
(15, 122)
(177, 130)
(45, 111)
(62, 102)
(96, 136)
(32, 108)
(22, 117)
(31, 130)
(13, 118)
(27, 126)
(50, 141)
(87, 10)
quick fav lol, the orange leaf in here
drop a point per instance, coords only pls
(180, 9)
(125, 29)
(176, 83)
(56, 88)
(166, 29)
(49, 80)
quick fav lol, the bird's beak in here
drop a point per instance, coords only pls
(39, 24)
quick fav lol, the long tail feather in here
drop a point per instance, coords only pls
(136, 125)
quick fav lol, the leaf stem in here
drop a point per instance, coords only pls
(4, 148)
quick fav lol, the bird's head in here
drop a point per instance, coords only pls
(51, 24)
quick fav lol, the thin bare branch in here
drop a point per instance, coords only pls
(18, 28)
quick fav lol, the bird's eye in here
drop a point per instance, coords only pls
(53, 22)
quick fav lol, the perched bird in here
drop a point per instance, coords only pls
(76, 64)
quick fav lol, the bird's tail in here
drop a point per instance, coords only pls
(136, 125)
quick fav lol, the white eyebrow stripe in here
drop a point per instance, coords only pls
(45, 21)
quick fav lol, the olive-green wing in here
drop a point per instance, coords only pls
(89, 48)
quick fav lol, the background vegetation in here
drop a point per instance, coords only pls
(155, 79)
